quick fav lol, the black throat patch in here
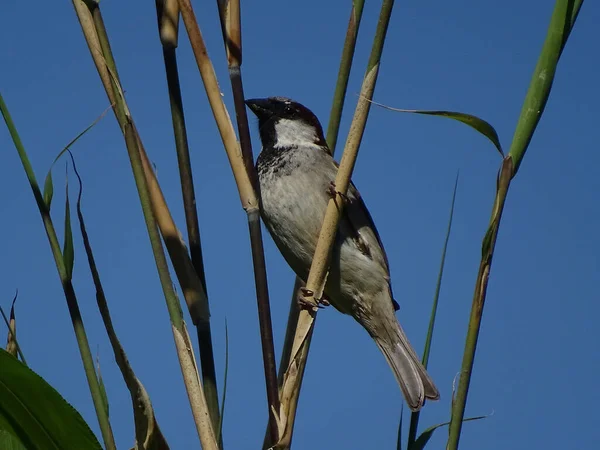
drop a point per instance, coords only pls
(277, 161)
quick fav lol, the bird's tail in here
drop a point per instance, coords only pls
(415, 382)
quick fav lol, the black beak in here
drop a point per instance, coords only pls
(259, 106)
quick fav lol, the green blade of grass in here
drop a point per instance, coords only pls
(68, 250)
(48, 183)
(69, 291)
(12, 331)
(48, 189)
(147, 431)
(226, 372)
(102, 386)
(480, 125)
(414, 417)
(399, 439)
(424, 437)
(438, 285)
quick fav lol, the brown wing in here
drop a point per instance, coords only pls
(355, 217)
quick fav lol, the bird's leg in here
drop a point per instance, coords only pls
(333, 192)
(324, 300)
(304, 301)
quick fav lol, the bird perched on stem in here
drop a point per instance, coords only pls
(296, 173)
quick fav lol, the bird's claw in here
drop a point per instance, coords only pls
(333, 192)
(307, 300)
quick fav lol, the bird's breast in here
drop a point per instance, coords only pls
(294, 192)
(294, 199)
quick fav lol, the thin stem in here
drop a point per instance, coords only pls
(459, 403)
(341, 85)
(88, 364)
(96, 36)
(320, 262)
(71, 298)
(142, 408)
(332, 134)
(229, 14)
(168, 14)
(264, 319)
(12, 330)
(414, 417)
(561, 23)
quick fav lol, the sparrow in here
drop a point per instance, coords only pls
(296, 172)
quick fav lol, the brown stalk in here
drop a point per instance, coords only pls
(168, 24)
(95, 34)
(246, 190)
(332, 135)
(241, 161)
(318, 271)
(229, 13)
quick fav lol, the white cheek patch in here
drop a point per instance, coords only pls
(294, 132)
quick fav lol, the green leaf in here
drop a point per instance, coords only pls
(35, 412)
(48, 189)
(414, 417)
(487, 240)
(48, 184)
(226, 371)
(39, 199)
(68, 250)
(423, 439)
(562, 21)
(438, 285)
(102, 386)
(12, 336)
(147, 431)
(399, 440)
(60, 265)
(9, 441)
(474, 122)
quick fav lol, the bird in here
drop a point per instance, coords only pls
(296, 173)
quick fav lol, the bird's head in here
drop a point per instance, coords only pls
(285, 123)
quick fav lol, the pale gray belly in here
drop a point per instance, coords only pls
(293, 213)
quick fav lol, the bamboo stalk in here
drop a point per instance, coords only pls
(168, 21)
(95, 33)
(341, 85)
(246, 190)
(241, 161)
(316, 278)
(332, 134)
(229, 13)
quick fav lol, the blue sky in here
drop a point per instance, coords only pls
(537, 360)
